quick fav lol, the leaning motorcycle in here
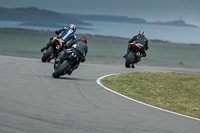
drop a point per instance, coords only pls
(62, 67)
(53, 50)
(133, 56)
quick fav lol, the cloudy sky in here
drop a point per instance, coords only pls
(150, 10)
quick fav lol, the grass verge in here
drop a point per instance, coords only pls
(177, 92)
(103, 49)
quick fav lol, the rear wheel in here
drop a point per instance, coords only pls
(61, 69)
(129, 59)
(47, 55)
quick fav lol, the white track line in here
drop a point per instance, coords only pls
(99, 82)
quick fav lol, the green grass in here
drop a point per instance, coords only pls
(178, 92)
(23, 43)
(101, 49)
(173, 54)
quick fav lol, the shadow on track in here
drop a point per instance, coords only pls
(69, 78)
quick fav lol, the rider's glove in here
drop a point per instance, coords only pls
(44, 48)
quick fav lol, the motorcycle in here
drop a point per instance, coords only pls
(133, 56)
(53, 50)
(62, 67)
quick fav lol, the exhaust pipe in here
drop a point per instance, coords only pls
(138, 53)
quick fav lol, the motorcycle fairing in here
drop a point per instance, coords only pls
(134, 46)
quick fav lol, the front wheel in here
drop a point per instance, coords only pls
(129, 59)
(61, 69)
(47, 54)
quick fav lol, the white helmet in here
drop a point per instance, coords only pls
(141, 32)
(73, 27)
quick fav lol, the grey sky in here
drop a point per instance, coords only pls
(150, 10)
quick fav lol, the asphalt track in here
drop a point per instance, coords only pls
(31, 101)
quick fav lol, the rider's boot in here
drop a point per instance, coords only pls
(128, 50)
(125, 55)
(133, 65)
(60, 57)
(143, 55)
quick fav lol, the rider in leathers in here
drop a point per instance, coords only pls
(80, 47)
(66, 34)
(140, 38)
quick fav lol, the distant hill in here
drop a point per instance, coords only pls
(107, 18)
(37, 17)
(174, 23)
(124, 19)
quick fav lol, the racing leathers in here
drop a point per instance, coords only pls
(66, 34)
(80, 48)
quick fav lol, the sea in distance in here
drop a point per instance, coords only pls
(187, 35)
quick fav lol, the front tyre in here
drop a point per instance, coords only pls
(47, 55)
(129, 59)
(61, 69)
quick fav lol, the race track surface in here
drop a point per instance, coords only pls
(32, 101)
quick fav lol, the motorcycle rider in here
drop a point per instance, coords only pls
(80, 47)
(66, 34)
(140, 38)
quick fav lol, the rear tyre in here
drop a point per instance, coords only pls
(129, 59)
(47, 55)
(61, 70)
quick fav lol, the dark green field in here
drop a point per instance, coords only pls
(102, 49)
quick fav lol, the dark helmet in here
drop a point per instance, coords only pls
(141, 32)
(73, 27)
(84, 39)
